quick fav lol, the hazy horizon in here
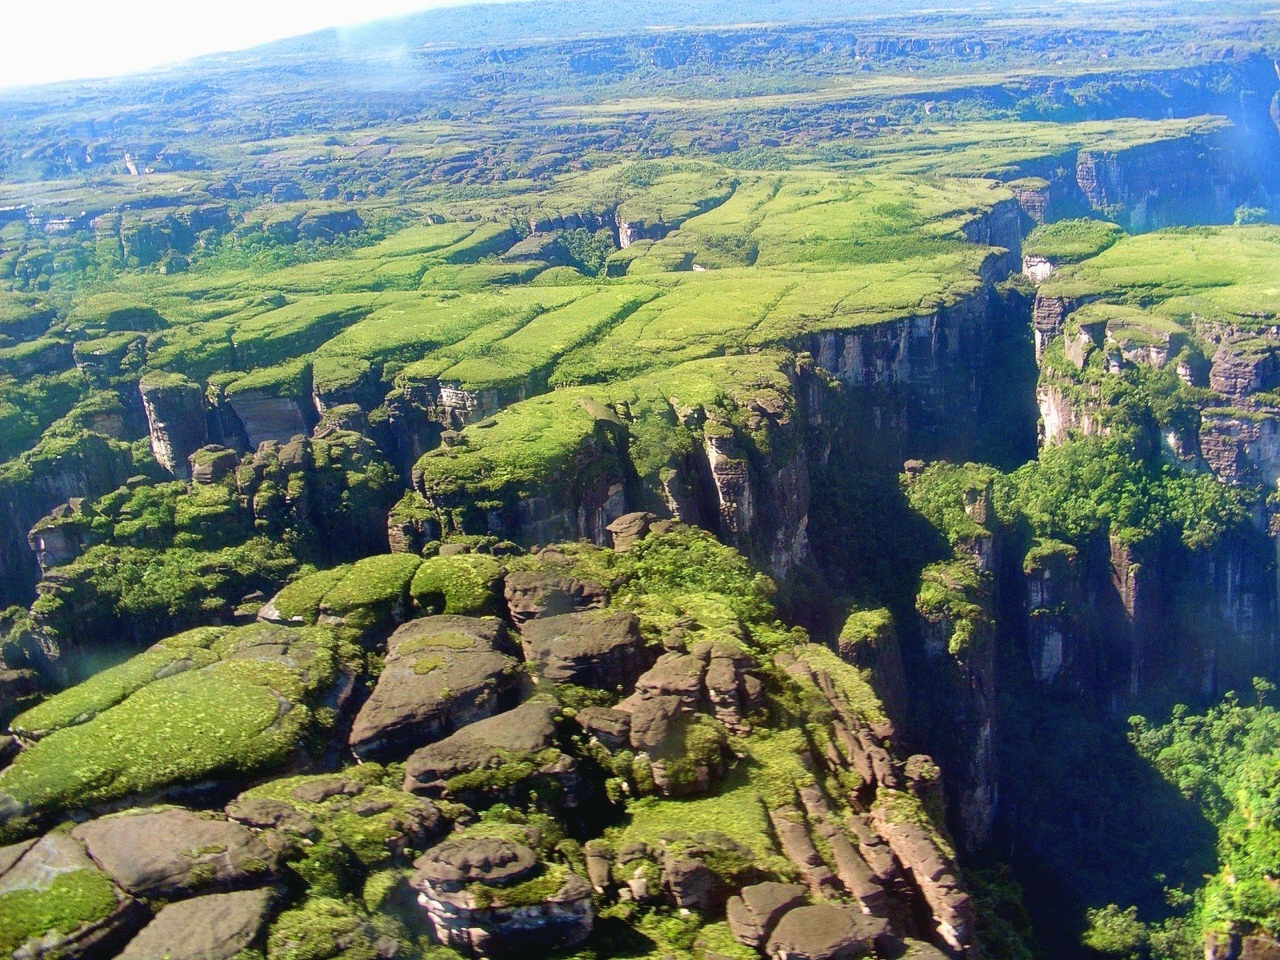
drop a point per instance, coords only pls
(81, 40)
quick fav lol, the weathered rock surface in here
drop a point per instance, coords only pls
(263, 416)
(754, 912)
(510, 747)
(593, 649)
(451, 876)
(825, 931)
(440, 674)
(175, 421)
(34, 865)
(172, 853)
(214, 927)
(532, 594)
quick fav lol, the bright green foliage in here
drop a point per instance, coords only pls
(322, 929)
(104, 690)
(716, 940)
(180, 584)
(1089, 484)
(951, 498)
(110, 312)
(851, 684)
(369, 585)
(220, 721)
(1218, 273)
(464, 584)
(70, 900)
(1226, 761)
(368, 828)
(301, 599)
(954, 597)
(1070, 241)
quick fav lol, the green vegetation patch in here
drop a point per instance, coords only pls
(1070, 241)
(71, 899)
(301, 599)
(955, 596)
(370, 583)
(465, 584)
(235, 718)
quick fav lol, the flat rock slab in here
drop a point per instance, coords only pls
(824, 931)
(440, 674)
(528, 729)
(590, 649)
(215, 927)
(173, 853)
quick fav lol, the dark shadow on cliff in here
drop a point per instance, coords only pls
(1084, 821)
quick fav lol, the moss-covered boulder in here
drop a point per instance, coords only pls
(56, 902)
(373, 593)
(505, 757)
(342, 828)
(266, 692)
(467, 584)
(492, 896)
(440, 674)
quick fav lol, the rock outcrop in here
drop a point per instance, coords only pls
(440, 674)
(505, 755)
(492, 897)
(171, 853)
(175, 419)
(592, 649)
(214, 927)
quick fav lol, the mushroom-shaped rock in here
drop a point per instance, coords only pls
(497, 752)
(629, 529)
(215, 927)
(65, 905)
(455, 864)
(531, 594)
(825, 931)
(172, 853)
(754, 912)
(491, 897)
(441, 673)
(591, 649)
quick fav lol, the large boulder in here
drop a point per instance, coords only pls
(754, 912)
(494, 756)
(600, 649)
(57, 902)
(826, 931)
(441, 674)
(213, 927)
(492, 897)
(172, 853)
(531, 594)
